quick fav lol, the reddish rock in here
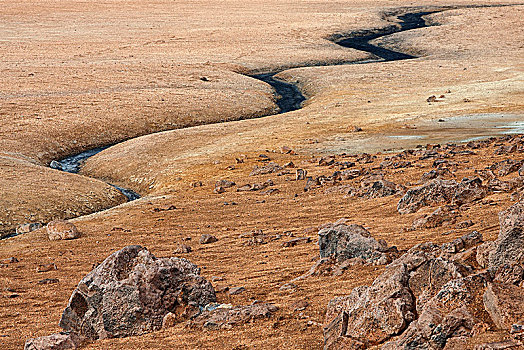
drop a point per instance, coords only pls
(60, 229)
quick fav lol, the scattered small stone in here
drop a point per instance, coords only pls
(10, 260)
(219, 190)
(270, 191)
(196, 184)
(299, 305)
(207, 238)
(288, 287)
(225, 316)
(356, 129)
(269, 168)
(46, 267)
(236, 290)
(204, 79)
(48, 281)
(300, 174)
(171, 207)
(183, 249)
(295, 241)
(61, 230)
(431, 98)
(465, 224)
(287, 150)
(225, 183)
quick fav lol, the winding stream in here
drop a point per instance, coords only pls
(289, 97)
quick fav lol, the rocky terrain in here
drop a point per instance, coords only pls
(386, 212)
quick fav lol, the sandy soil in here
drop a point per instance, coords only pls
(78, 75)
(261, 269)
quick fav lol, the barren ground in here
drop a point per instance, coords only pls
(79, 75)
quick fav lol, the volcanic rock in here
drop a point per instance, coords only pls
(509, 245)
(342, 242)
(131, 291)
(505, 304)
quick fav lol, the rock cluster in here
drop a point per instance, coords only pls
(439, 191)
(436, 297)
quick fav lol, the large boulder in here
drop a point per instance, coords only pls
(370, 315)
(342, 242)
(130, 293)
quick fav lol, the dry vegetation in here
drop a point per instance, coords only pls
(80, 75)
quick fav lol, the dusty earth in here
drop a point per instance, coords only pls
(172, 79)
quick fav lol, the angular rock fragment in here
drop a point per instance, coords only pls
(207, 238)
(509, 245)
(437, 218)
(505, 304)
(225, 183)
(58, 341)
(225, 316)
(131, 291)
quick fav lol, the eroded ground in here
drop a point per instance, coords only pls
(87, 75)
